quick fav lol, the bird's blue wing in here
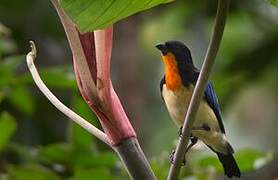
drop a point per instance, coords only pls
(212, 100)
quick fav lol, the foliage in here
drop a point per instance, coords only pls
(78, 157)
(200, 163)
(99, 14)
(8, 126)
(30, 171)
(273, 2)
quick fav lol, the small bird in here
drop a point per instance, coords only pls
(177, 87)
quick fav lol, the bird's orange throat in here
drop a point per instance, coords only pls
(172, 76)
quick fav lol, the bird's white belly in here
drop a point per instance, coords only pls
(177, 103)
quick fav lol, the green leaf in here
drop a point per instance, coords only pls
(273, 2)
(210, 161)
(2, 96)
(23, 152)
(105, 159)
(8, 127)
(7, 69)
(78, 137)
(160, 168)
(28, 172)
(55, 153)
(98, 14)
(12, 62)
(58, 77)
(88, 174)
(246, 158)
(22, 99)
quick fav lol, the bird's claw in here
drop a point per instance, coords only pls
(180, 132)
(171, 157)
(183, 161)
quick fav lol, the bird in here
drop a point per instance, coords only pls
(176, 89)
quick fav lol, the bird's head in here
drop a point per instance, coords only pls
(178, 62)
(175, 51)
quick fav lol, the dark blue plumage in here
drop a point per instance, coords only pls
(212, 100)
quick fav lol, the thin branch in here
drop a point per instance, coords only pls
(30, 57)
(222, 11)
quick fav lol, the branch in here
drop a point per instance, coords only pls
(222, 11)
(30, 57)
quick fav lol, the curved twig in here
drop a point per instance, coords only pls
(30, 57)
(222, 10)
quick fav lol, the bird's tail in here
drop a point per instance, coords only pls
(229, 164)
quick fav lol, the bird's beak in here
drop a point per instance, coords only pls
(162, 48)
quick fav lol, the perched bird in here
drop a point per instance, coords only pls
(176, 90)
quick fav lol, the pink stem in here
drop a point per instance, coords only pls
(97, 48)
(88, 46)
(110, 101)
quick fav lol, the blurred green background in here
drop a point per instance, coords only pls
(38, 142)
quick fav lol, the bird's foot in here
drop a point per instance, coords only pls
(171, 157)
(180, 132)
(183, 163)
(193, 140)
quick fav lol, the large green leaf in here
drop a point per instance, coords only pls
(8, 127)
(97, 14)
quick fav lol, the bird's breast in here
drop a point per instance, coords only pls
(172, 76)
(177, 102)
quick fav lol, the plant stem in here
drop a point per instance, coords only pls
(134, 159)
(77, 51)
(128, 150)
(31, 56)
(127, 147)
(222, 11)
